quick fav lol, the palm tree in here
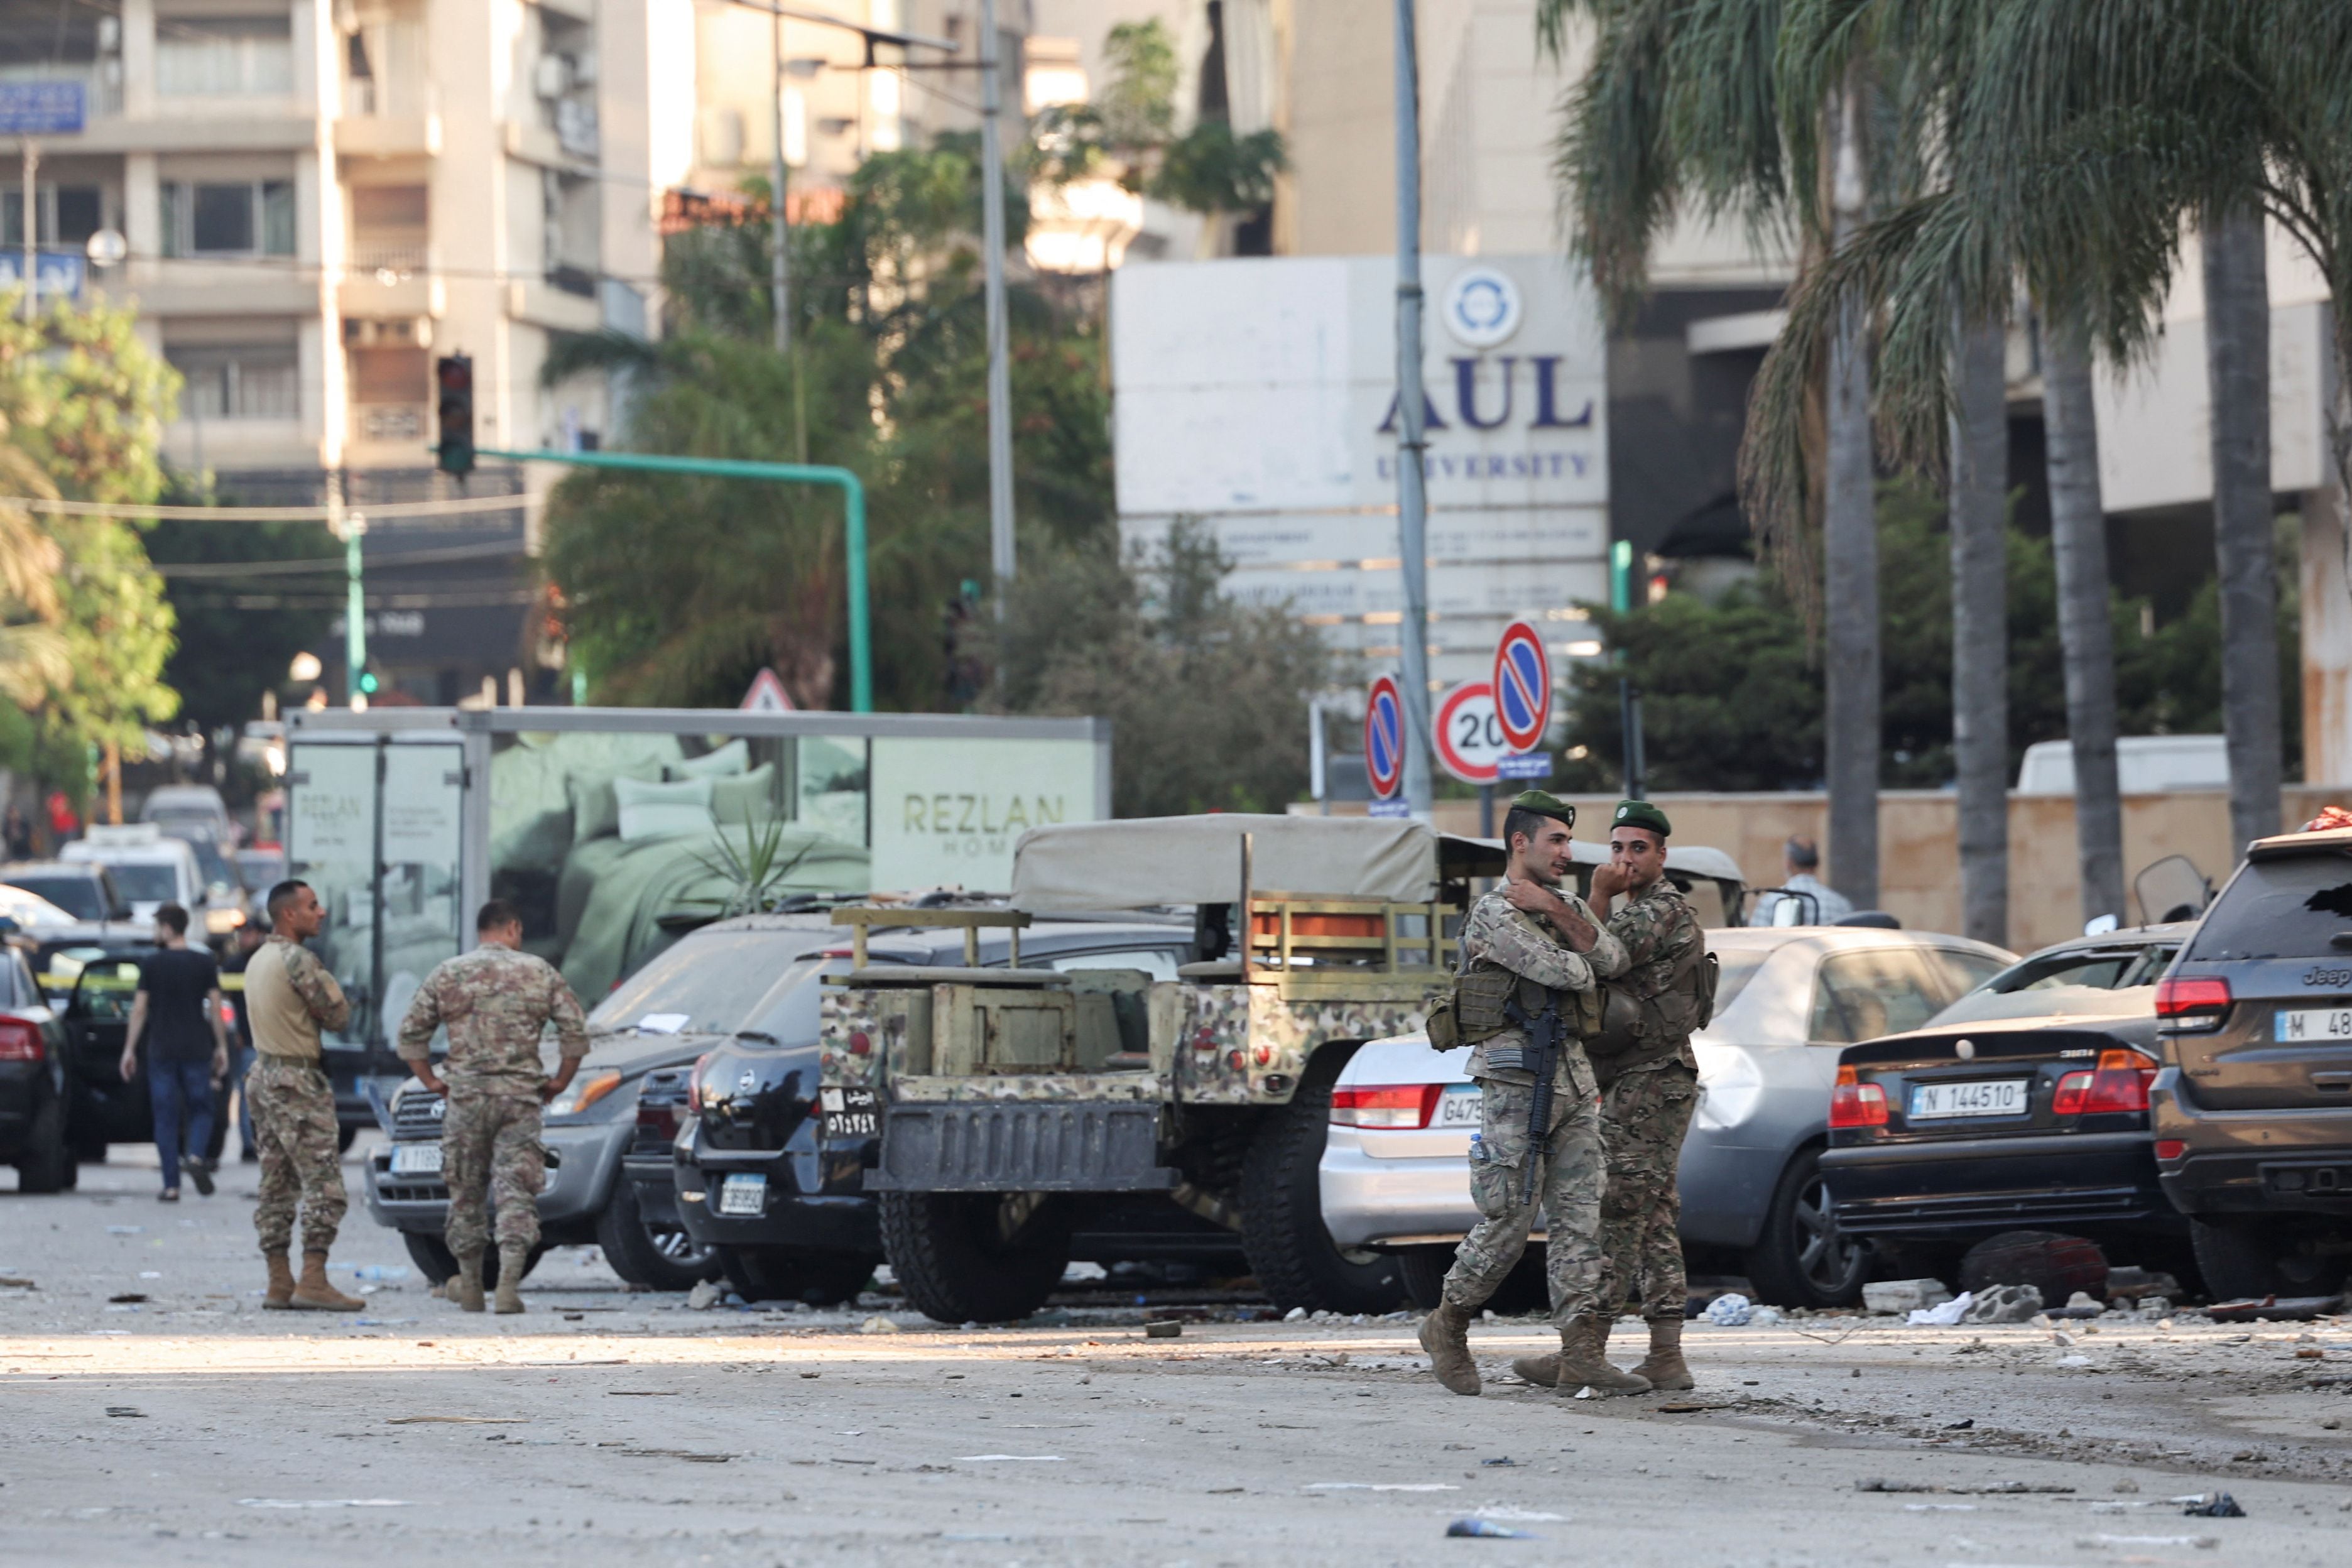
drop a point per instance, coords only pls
(1682, 112)
(2078, 547)
(2238, 368)
(1980, 527)
(2081, 138)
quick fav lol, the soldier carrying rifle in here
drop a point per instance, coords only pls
(1525, 995)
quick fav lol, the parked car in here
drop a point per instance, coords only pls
(687, 999)
(36, 1104)
(84, 891)
(786, 1210)
(2023, 1104)
(1395, 1174)
(149, 867)
(228, 904)
(32, 912)
(2253, 1099)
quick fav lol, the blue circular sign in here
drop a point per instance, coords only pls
(1522, 683)
(1384, 738)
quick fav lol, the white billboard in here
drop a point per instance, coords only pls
(1259, 396)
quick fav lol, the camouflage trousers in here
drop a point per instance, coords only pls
(302, 1164)
(1644, 1116)
(1571, 1175)
(490, 1156)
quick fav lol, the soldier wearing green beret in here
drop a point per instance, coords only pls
(1526, 949)
(1649, 1084)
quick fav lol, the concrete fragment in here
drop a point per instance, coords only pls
(2003, 1304)
(1904, 1295)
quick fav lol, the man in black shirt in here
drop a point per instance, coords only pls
(178, 1011)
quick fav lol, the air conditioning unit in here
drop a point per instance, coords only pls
(583, 69)
(551, 77)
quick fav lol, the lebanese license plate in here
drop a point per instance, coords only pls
(1459, 1107)
(2311, 1024)
(743, 1195)
(852, 1113)
(2001, 1097)
(417, 1159)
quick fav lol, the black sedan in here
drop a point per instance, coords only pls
(36, 1085)
(2023, 1104)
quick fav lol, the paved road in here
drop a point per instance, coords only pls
(602, 1426)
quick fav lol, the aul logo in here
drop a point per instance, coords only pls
(1480, 308)
(2318, 976)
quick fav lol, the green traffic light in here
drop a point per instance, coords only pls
(368, 682)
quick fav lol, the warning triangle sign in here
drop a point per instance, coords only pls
(767, 695)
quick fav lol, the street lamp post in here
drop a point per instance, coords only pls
(1412, 499)
(1000, 380)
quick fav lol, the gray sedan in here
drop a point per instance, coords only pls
(1394, 1173)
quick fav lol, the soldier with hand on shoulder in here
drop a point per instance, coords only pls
(1649, 1084)
(495, 1002)
(1530, 959)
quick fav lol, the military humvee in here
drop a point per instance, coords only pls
(1006, 1113)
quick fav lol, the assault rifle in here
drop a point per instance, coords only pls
(1545, 1032)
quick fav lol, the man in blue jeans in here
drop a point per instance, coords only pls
(178, 1011)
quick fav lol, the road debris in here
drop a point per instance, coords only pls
(1730, 1311)
(1488, 1530)
(878, 1324)
(2277, 1309)
(1009, 1458)
(1379, 1487)
(126, 1412)
(457, 1420)
(1890, 1297)
(323, 1503)
(2219, 1505)
(126, 1298)
(1991, 1489)
(1163, 1328)
(16, 1282)
(688, 1455)
(1942, 1315)
(705, 1295)
(2004, 1304)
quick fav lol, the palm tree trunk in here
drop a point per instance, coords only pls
(2078, 540)
(2238, 369)
(1979, 518)
(1851, 729)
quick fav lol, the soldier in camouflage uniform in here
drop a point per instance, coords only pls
(1649, 1090)
(495, 1002)
(1528, 942)
(289, 996)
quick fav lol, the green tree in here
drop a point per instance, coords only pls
(82, 404)
(1207, 697)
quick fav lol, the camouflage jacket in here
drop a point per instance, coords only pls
(495, 1002)
(290, 996)
(1526, 946)
(1658, 930)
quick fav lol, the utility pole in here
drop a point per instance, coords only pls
(1000, 380)
(351, 527)
(779, 266)
(31, 211)
(1412, 499)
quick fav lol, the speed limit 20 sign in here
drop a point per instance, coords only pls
(1468, 733)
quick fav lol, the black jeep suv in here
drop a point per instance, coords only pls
(2253, 1104)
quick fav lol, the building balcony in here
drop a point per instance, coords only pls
(544, 302)
(391, 281)
(253, 286)
(389, 117)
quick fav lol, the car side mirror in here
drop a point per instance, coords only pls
(2100, 925)
(8, 926)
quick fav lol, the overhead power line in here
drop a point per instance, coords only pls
(454, 506)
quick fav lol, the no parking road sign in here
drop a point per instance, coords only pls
(1522, 687)
(1469, 737)
(1384, 738)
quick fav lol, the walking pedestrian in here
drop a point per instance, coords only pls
(290, 997)
(1649, 1087)
(250, 938)
(497, 1002)
(1529, 951)
(17, 830)
(178, 1012)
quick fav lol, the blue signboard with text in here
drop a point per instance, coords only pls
(54, 272)
(42, 107)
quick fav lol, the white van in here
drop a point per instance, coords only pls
(2146, 764)
(149, 867)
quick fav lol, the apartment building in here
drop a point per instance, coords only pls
(317, 196)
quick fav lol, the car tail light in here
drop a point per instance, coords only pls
(1854, 1103)
(2171, 1149)
(2118, 1083)
(1386, 1105)
(2193, 1004)
(20, 1040)
(838, 953)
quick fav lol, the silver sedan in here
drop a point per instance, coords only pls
(1395, 1173)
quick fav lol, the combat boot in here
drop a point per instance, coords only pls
(512, 1261)
(465, 1286)
(1445, 1335)
(1543, 1371)
(1664, 1366)
(313, 1294)
(281, 1294)
(1582, 1365)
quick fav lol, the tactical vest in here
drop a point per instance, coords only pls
(1475, 1006)
(1636, 1022)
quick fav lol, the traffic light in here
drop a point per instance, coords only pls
(454, 375)
(368, 682)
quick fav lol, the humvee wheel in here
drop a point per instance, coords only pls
(974, 1258)
(1293, 1256)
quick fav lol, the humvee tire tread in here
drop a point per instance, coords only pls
(943, 1256)
(1296, 1262)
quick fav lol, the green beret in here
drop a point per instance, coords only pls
(1641, 814)
(1543, 802)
